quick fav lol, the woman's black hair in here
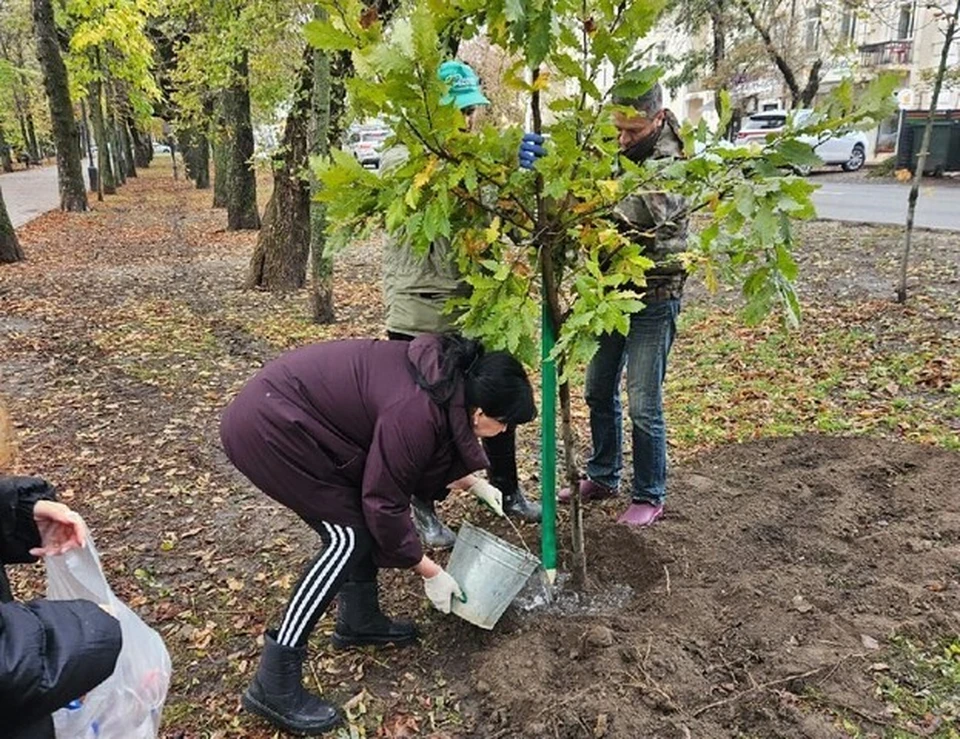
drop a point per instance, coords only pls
(494, 382)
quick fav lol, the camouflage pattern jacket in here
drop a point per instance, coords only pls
(659, 222)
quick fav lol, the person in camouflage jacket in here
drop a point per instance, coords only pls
(416, 290)
(658, 221)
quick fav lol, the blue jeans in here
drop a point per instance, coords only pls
(643, 351)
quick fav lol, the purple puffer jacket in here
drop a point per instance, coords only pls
(341, 432)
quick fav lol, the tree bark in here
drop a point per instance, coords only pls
(6, 161)
(121, 113)
(36, 156)
(108, 184)
(221, 168)
(242, 182)
(321, 264)
(141, 145)
(9, 244)
(924, 150)
(116, 144)
(73, 192)
(279, 261)
(201, 161)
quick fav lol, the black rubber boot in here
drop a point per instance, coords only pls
(277, 693)
(516, 505)
(502, 452)
(434, 533)
(361, 623)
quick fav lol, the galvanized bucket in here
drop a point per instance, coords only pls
(491, 572)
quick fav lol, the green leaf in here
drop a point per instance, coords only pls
(798, 154)
(323, 36)
(636, 83)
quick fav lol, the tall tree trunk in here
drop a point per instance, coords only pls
(36, 155)
(141, 145)
(24, 137)
(108, 184)
(9, 245)
(126, 144)
(6, 162)
(202, 161)
(221, 170)
(321, 265)
(718, 23)
(242, 182)
(279, 261)
(116, 146)
(951, 33)
(73, 192)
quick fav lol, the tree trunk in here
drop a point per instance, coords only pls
(201, 161)
(242, 182)
(550, 253)
(116, 145)
(221, 168)
(6, 162)
(73, 192)
(321, 265)
(108, 184)
(796, 94)
(924, 150)
(24, 136)
(126, 142)
(279, 262)
(9, 245)
(141, 145)
(36, 155)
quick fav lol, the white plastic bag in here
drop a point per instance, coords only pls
(128, 704)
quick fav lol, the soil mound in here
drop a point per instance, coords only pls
(779, 569)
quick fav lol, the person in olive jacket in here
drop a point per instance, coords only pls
(51, 652)
(344, 433)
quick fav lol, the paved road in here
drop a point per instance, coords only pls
(30, 193)
(861, 202)
(33, 192)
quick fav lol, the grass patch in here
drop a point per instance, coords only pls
(922, 688)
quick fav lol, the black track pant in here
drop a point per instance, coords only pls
(347, 554)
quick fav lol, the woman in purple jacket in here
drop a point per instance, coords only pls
(344, 433)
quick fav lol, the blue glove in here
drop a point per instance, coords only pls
(531, 150)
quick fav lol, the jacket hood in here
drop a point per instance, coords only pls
(426, 357)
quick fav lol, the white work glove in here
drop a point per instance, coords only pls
(489, 495)
(440, 589)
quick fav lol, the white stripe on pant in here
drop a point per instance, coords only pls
(313, 589)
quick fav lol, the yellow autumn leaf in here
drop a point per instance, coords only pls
(609, 188)
(492, 232)
(423, 176)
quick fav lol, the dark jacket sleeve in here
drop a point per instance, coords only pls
(18, 530)
(404, 443)
(52, 652)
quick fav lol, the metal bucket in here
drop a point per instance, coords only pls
(491, 573)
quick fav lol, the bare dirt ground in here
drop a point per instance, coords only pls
(813, 521)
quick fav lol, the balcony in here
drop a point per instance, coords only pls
(886, 54)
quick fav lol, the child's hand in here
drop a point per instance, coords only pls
(61, 529)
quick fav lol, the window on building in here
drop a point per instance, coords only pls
(813, 29)
(905, 24)
(848, 25)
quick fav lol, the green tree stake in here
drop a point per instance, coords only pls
(548, 449)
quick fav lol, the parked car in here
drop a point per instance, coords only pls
(366, 145)
(160, 148)
(848, 150)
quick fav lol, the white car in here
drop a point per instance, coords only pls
(366, 144)
(848, 150)
(159, 148)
